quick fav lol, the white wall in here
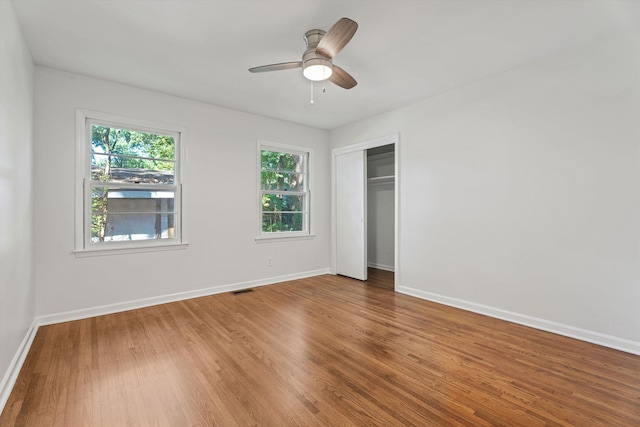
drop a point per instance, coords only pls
(222, 200)
(520, 194)
(17, 298)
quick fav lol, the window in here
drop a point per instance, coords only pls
(283, 191)
(131, 186)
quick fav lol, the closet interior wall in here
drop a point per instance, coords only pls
(380, 207)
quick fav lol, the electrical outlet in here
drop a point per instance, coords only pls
(269, 262)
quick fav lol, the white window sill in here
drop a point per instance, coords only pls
(82, 253)
(274, 239)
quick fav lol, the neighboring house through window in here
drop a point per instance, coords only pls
(283, 191)
(129, 184)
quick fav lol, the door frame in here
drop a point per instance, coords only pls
(361, 146)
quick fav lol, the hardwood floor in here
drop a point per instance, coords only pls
(320, 351)
(380, 278)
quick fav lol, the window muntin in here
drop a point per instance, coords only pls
(132, 189)
(284, 192)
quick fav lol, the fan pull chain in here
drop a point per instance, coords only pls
(324, 78)
(311, 92)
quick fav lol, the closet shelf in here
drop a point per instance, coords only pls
(381, 179)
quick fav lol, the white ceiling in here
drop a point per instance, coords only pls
(404, 51)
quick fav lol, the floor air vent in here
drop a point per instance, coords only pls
(242, 291)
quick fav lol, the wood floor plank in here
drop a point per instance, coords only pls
(321, 351)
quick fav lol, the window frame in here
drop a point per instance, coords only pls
(307, 232)
(83, 244)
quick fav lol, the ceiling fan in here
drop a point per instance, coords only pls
(317, 61)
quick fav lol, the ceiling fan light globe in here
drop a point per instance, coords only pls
(317, 69)
(317, 72)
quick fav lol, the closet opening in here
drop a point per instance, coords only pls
(365, 210)
(381, 216)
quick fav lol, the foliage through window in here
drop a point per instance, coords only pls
(131, 186)
(284, 191)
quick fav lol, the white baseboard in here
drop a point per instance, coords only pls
(12, 372)
(381, 266)
(605, 340)
(163, 299)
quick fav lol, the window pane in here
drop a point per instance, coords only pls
(275, 160)
(291, 181)
(131, 214)
(114, 140)
(278, 221)
(282, 202)
(131, 226)
(113, 168)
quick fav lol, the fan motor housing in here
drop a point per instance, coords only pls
(311, 59)
(313, 37)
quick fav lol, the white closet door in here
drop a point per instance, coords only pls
(351, 215)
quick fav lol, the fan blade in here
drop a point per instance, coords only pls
(341, 78)
(336, 38)
(276, 67)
